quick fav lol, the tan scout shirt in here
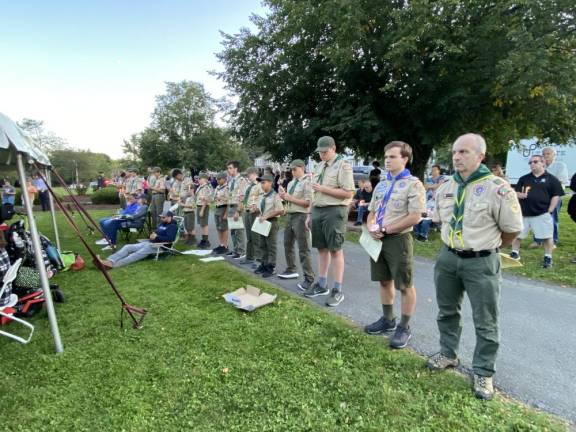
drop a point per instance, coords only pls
(236, 188)
(190, 203)
(338, 174)
(252, 195)
(159, 185)
(133, 185)
(300, 189)
(177, 191)
(408, 196)
(270, 202)
(204, 194)
(490, 208)
(221, 195)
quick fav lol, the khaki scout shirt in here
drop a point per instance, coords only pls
(236, 188)
(338, 174)
(152, 181)
(190, 204)
(204, 194)
(177, 191)
(302, 191)
(408, 196)
(221, 195)
(253, 197)
(490, 208)
(159, 184)
(133, 185)
(272, 202)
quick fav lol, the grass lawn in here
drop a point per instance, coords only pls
(199, 364)
(561, 273)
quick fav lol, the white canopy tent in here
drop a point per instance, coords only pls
(17, 149)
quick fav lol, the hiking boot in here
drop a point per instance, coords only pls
(217, 249)
(401, 337)
(315, 290)
(335, 298)
(224, 251)
(383, 325)
(260, 269)
(203, 244)
(268, 272)
(303, 286)
(515, 255)
(440, 362)
(547, 263)
(287, 274)
(483, 387)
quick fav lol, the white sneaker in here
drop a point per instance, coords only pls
(288, 275)
(107, 248)
(102, 242)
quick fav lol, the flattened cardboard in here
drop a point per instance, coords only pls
(249, 298)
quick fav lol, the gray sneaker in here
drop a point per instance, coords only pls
(303, 286)
(440, 362)
(315, 290)
(400, 338)
(335, 298)
(287, 274)
(483, 387)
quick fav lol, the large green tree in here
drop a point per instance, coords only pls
(88, 164)
(47, 141)
(422, 71)
(184, 132)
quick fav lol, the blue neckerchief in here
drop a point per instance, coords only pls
(381, 210)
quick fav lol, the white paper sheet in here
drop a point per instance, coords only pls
(262, 228)
(197, 252)
(212, 259)
(232, 224)
(371, 246)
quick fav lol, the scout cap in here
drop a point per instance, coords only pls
(221, 175)
(297, 163)
(166, 213)
(325, 143)
(268, 177)
(156, 169)
(204, 175)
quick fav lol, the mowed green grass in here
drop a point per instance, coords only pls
(199, 364)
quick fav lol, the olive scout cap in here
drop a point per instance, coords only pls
(325, 143)
(221, 175)
(297, 163)
(268, 177)
(203, 175)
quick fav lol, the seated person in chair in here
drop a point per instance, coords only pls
(130, 253)
(133, 216)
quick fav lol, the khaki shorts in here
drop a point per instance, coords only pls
(395, 261)
(221, 222)
(189, 219)
(202, 220)
(329, 227)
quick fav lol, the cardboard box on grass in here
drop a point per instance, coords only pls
(249, 298)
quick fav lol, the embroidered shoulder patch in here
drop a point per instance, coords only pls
(503, 190)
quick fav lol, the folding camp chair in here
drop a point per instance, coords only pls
(6, 283)
(168, 248)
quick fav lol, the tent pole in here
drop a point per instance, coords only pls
(52, 210)
(38, 257)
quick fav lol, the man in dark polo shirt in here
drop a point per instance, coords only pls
(538, 193)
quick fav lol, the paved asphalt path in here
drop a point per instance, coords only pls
(537, 357)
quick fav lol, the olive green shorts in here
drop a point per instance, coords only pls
(329, 227)
(395, 261)
(202, 220)
(221, 222)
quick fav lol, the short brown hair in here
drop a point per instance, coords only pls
(405, 149)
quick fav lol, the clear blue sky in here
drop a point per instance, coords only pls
(91, 69)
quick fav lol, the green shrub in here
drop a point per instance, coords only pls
(108, 195)
(18, 201)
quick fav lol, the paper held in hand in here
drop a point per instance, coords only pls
(507, 262)
(262, 228)
(371, 246)
(232, 224)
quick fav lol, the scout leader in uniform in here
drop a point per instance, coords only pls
(270, 208)
(204, 196)
(133, 183)
(397, 205)
(189, 210)
(177, 192)
(298, 198)
(157, 189)
(221, 214)
(249, 205)
(479, 213)
(236, 188)
(333, 186)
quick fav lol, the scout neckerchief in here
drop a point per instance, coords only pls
(321, 176)
(291, 191)
(381, 210)
(233, 185)
(263, 202)
(247, 193)
(457, 218)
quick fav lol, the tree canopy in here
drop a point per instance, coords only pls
(422, 71)
(184, 132)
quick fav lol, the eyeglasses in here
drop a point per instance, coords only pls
(533, 162)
